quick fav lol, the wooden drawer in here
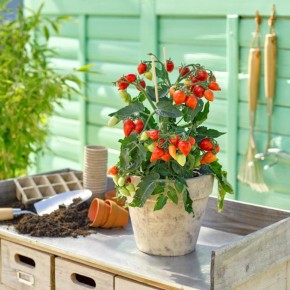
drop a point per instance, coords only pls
(25, 268)
(74, 276)
(126, 284)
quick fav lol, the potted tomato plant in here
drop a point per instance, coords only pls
(168, 159)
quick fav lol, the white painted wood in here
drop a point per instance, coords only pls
(19, 275)
(4, 287)
(126, 284)
(273, 279)
(239, 262)
(67, 277)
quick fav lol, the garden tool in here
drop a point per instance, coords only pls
(278, 154)
(250, 171)
(48, 205)
(270, 72)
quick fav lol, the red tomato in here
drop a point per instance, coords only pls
(166, 156)
(191, 140)
(184, 147)
(128, 127)
(214, 86)
(157, 154)
(113, 170)
(179, 97)
(142, 84)
(202, 75)
(142, 67)
(139, 126)
(122, 84)
(209, 95)
(208, 157)
(198, 91)
(169, 65)
(174, 139)
(183, 71)
(205, 144)
(153, 134)
(191, 101)
(130, 78)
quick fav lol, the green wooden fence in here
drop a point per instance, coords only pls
(115, 35)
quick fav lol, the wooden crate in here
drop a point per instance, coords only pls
(24, 268)
(126, 284)
(74, 276)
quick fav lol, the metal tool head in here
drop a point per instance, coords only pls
(47, 206)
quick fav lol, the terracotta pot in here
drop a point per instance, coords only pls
(107, 214)
(112, 196)
(98, 212)
(171, 231)
(118, 216)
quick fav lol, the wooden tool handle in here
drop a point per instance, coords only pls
(270, 65)
(254, 77)
(6, 214)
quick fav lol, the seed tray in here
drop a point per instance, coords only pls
(30, 189)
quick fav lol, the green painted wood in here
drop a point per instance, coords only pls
(248, 26)
(232, 102)
(70, 109)
(110, 72)
(281, 99)
(64, 127)
(283, 62)
(194, 31)
(82, 56)
(209, 56)
(64, 65)
(279, 119)
(90, 7)
(98, 114)
(69, 28)
(67, 48)
(218, 8)
(112, 28)
(113, 51)
(65, 148)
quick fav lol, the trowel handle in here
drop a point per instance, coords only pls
(270, 65)
(254, 77)
(6, 214)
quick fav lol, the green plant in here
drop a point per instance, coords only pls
(172, 144)
(29, 88)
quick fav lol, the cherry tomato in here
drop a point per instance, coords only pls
(205, 144)
(191, 140)
(214, 86)
(142, 84)
(148, 75)
(128, 127)
(174, 139)
(208, 157)
(139, 126)
(179, 97)
(113, 170)
(198, 91)
(169, 65)
(142, 67)
(171, 91)
(202, 75)
(191, 101)
(166, 156)
(184, 147)
(153, 134)
(172, 151)
(209, 95)
(157, 154)
(181, 159)
(131, 78)
(122, 84)
(183, 71)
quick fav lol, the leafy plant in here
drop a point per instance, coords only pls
(29, 88)
(167, 144)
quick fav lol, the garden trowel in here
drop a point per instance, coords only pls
(48, 205)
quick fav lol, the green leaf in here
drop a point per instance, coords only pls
(159, 189)
(162, 92)
(178, 185)
(167, 109)
(202, 116)
(128, 111)
(171, 193)
(205, 132)
(161, 201)
(46, 32)
(190, 114)
(187, 201)
(85, 67)
(145, 189)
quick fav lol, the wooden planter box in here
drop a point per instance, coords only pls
(245, 247)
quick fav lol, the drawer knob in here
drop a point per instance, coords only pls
(25, 278)
(83, 280)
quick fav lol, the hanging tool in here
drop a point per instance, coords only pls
(250, 171)
(270, 71)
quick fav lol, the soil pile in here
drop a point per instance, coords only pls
(72, 221)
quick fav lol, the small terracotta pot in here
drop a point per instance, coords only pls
(118, 216)
(112, 196)
(98, 212)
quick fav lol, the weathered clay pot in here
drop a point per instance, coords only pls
(171, 231)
